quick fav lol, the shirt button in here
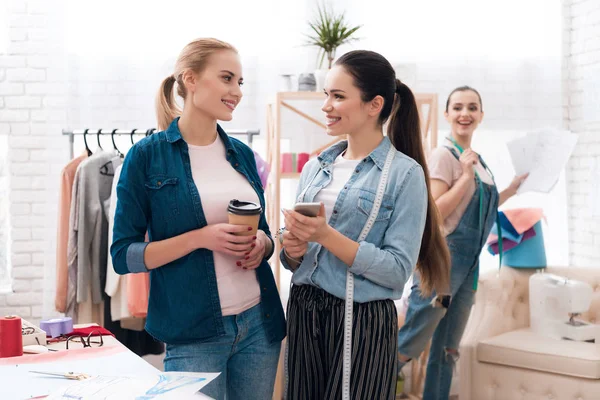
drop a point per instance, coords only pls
(159, 183)
(237, 165)
(357, 171)
(315, 263)
(345, 187)
(268, 315)
(335, 211)
(265, 289)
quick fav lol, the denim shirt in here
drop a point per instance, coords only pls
(156, 194)
(388, 255)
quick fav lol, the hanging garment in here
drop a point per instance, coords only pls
(141, 343)
(89, 230)
(116, 287)
(62, 236)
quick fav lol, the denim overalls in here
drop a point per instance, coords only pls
(465, 244)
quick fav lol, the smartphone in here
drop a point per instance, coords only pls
(308, 209)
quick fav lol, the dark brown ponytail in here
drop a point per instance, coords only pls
(404, 132)
(375, 76)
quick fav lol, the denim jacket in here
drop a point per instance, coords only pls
(388, 255)
(156, 194)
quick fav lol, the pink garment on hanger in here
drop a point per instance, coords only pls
(138, 290)
(62, 235)
(523, 219)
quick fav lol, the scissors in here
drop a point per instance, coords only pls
(67, 375)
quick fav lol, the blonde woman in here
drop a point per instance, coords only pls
(213, 298)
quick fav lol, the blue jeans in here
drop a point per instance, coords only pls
(446, 326)
(244, 357)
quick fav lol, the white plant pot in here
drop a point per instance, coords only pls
(320, 75)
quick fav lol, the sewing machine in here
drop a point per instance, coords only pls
(554, 304)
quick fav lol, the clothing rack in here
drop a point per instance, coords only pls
(250, 133)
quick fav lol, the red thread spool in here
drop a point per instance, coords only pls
(11, 336)
(302, 160)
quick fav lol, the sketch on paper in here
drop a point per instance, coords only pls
(542, 154)
(163, 386)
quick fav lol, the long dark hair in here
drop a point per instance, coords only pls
(374, 76)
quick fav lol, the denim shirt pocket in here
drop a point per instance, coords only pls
(366, 201)
(162, 191)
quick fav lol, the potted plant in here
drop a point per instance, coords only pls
(329, 30)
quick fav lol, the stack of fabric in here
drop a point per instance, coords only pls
(522, 238)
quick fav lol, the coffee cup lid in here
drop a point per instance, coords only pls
(244, 208)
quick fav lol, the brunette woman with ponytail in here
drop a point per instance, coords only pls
(361, 94)
(213, 298)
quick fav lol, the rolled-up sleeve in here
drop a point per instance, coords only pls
(131, 216)
(391, 264)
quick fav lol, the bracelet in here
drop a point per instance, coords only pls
(292, 258)
(279, 235)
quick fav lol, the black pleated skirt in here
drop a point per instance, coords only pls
(315, 339)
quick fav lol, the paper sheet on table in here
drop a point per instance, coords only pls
(543, 155)
(167, 385)
(17, 382)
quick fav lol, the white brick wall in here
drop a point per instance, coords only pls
(30, 108)
(581, 61)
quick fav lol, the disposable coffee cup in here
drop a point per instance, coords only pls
(244, 213)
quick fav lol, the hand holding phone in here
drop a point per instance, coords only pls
(308, 209)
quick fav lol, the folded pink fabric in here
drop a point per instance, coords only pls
(523, 219)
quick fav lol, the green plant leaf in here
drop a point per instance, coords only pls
(329, 31)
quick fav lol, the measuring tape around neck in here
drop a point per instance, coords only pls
(347, 355)
(499, 229)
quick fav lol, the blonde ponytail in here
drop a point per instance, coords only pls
(166, 108)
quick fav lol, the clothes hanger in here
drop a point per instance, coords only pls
(104, 170)
(98, 138)
(132, 133)
(89, 152)
(112, 138)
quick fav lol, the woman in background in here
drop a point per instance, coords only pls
(465, 193)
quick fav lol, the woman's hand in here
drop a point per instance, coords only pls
(222, 239)
(254, 257)
(307, 229)
(293, 246)
(468, 159)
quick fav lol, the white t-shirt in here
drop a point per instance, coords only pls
(341, 171)
(218, 183)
